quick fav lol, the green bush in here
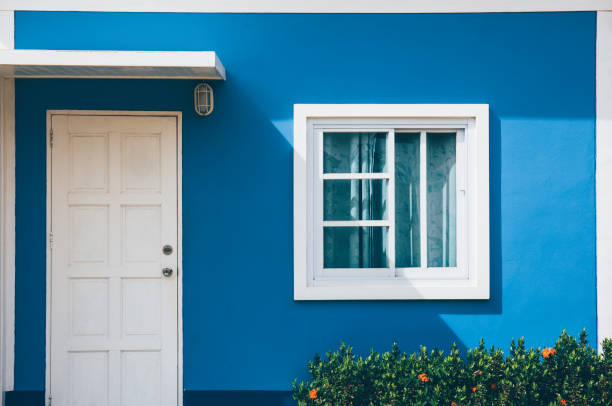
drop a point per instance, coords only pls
(570, 373)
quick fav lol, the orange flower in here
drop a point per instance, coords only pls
(423, 377)
(563, 402)
(453, 404)
(312, 394)
(547, 352)
(493, 386)
(475, 388)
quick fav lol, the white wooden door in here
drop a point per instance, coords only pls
(113, 313)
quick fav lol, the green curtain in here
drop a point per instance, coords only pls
(441, 200)
(366, 199)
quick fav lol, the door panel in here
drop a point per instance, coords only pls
(113, 314)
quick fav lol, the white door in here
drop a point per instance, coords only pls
(113, 312)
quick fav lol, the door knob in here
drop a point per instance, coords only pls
(167, 272)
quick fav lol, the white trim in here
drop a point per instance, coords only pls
(48, 264)
(307, 119)
(311, 6)
(7, 234)
(179, 119)
(179, 247)
(390, 164)
(7, 30)
(604, 175)
(111, 64)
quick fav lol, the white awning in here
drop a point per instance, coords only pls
(25, 63)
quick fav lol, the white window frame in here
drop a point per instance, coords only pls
(469, 280)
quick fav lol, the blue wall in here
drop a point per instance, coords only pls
(242, 329)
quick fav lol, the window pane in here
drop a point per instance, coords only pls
(407, 195)
(355, 247)
(354, 152)
(364, 199)
(441, 200)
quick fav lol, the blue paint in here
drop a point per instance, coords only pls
(190, 398)
(238, 398)
(24, 398)
(242, 329)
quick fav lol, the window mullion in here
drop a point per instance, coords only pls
(318, 207)
(391, 200)
(423, 198)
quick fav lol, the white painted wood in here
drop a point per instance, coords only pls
(48, 264)
(179, 130)
(463, 225)
(7, 233)
(470, 280)
(113, 318)
(604, 175)
(312, 6)
(7, 30)
(394, 114)
(111, 64)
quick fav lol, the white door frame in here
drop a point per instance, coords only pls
(179, 124)
(7, 234)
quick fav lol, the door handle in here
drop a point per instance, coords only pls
(167, 272)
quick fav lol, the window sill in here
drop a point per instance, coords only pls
(426, 290)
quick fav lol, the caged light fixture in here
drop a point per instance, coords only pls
(203, 99)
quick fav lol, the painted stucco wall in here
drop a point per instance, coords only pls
(242, 329)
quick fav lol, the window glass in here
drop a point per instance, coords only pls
(361, 246)
(354, 152)
(441, 200)
(357, 199)
(355, 247)
(407, 195)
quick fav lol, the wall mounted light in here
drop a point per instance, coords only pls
(204, 101)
